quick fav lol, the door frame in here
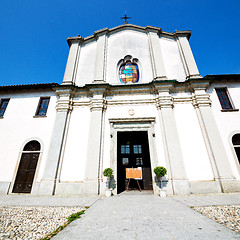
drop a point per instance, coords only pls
(133, 125)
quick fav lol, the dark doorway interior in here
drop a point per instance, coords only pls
(133, 152)
(27, 168)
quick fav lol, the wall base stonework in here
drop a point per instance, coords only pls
(4, 186)
(205, 187)
(180, 187)
(77, 188)
(45, 188)
(230, 185)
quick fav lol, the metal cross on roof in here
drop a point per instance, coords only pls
(125, 18)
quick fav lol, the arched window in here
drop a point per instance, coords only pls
(236, 145)
(129, 72)
(27, 167)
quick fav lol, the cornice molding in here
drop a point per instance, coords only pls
(130, 120)
(146, 29)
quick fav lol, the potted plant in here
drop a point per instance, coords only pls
(161, 172)
(108, 172)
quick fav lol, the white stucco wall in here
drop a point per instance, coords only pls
(129, 42)
(227, 122)
(19, 127)
(140, 111)
(75, 154)
(172, 60)
(193, 148)
(125, 43)
(86, 64)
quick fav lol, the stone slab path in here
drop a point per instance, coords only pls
(150, 217)
(53, 201)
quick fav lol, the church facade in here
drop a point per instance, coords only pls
(131, 97)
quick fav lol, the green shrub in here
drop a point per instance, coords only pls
(160, 171)
(108, 172)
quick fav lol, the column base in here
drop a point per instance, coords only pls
(205, 187)
(181, 187)
(4, 186)
(230, 185)
(44, 188)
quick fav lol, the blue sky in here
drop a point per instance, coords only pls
(33, 47)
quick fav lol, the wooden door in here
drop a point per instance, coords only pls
(27, 167)
(133, 152)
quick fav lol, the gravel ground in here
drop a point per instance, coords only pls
(229, 216)
(21, 222)
(32, 222)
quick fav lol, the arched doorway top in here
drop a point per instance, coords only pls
(32, 146)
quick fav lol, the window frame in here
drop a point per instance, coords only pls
(235, 151)
(39, 107)
(228, 97)
(1, 103)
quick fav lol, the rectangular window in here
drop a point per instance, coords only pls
(224, 98)
(42, 106)
(3, 106)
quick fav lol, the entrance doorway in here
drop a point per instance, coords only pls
(27, 168)
(133, 152)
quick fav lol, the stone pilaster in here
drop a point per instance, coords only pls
(64, 106)
(218, 158)
(72, 62)
(187, 57)
(100, 62)
(95, 140)
(175, 164)
(156, 54)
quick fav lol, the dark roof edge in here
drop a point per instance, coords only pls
(222, 76)
(29, 86)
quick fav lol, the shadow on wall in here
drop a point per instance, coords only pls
(164, 182)
(112, 184)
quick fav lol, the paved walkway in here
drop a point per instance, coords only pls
(52, 201)
(150, 217)
(134, 216)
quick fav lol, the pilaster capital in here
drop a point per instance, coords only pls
(201, 100)
(64, 102)
(200, 97)
(72, 40)
(164, 98)
(164, 101)
(153, 29)
(100, 33)
(162, 86)
(199, 84)
(97, 89)
(98, 101)
(98, 105)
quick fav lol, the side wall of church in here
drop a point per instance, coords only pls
(19, 126)
(227, 121)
